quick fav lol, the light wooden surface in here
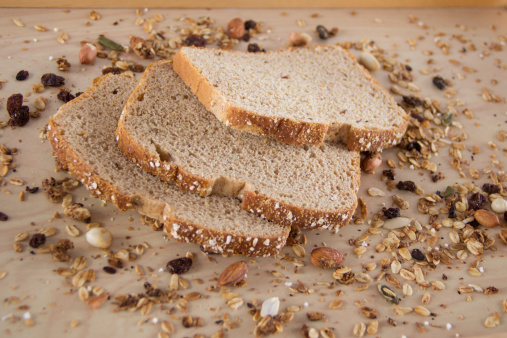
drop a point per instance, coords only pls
(254, 4)
(31, 285)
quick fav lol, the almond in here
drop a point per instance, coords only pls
(87, 53)
(486, 218)
(233, 274)
(236, 28)
(326, 258)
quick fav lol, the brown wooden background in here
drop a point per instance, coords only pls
(251, 4)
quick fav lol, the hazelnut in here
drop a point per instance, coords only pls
(99, 237)
(87, 53)
(299, 39)
(236, 28)
(371, 162)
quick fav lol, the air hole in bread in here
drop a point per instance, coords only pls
(163, 155)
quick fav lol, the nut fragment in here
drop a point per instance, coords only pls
(369, 61)
(299, 39)
(78, 212)
(371, 162)
(233, 274)
(236, 28)
(99, 237)
(486, 218)
(326, 258)
(87, 54)
(142, 48)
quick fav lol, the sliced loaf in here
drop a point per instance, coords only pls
(301, 96)
(166, 130)
(82, 136)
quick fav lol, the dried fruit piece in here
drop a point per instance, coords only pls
(439, 82)
(3, 217)
(233, 274)
(65, 96)
(179, 265)
(14, 102)
(326, 258)
(195, 40)
(37, 240)
(254, 48)
(20, 117)
(142, 48)
(418, 255)
(22, 75)
(52, 80)
(476, 201)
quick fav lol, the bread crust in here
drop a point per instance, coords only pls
(211, 239)
(268, 207)
(283, 129)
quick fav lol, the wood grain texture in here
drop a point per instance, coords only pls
(255, 4)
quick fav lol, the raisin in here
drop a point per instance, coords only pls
(392, 213)
(250, 24)
(413, 145)
(246, 37)
(439, 82)
(137, 68)
(412, 101)
(78, 94)
(406, 185)
(37, 240)
(112, 70)
(437, 177)
(52, 80)
(452, 211)
(389, 174)
(418, 255)
(14, 102)
(109, 269)
(195, 40)
(65, 96)
(3, 217)
(323, 32)
(253, 48)
(20, 117)
(491, 188)
(418, 117)
(407, 67)
(476, 201)
(179, 265)
(505, 216)
(474, 224)
(32, 190)
(22, 75)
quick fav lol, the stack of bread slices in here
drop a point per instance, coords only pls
(230, 149)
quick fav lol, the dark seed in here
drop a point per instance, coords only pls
(37, 240)
(439, 82)
(3, 217)
(179, 265)
(20, 117)
(250, 24)
(22, 75)
(412, 101)
(491, 188)
(52, 80)
(109, 269)
(406, 185)
(413, 145)
(389, 174)
(418, 255)
(32, 190)
(65, 96)
(476, 201)
(14, 102)
(195, 40)
(323, 32)
(392, 213)
(253, 48)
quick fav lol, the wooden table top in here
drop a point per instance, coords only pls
(463, 45)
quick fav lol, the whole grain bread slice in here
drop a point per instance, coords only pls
(166, 130)
(299, 96)
(82, 136)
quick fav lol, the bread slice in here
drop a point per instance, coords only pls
(166, 130)
(300, 96)
(82, 136)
